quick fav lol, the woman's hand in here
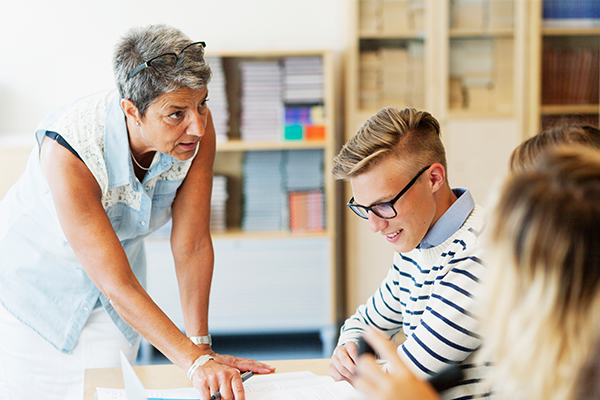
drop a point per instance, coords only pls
(214, 377)
(244, 364)
(399, 384)
(223, 374)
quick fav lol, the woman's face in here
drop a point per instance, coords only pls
(175, 123)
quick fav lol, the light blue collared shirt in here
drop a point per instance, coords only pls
(450, 221)
(41, 281)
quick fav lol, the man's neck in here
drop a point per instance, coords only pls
(444, 198)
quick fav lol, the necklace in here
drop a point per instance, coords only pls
(137, 163)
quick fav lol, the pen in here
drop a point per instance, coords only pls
(245, 376)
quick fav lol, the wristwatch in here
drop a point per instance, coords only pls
(206, 339)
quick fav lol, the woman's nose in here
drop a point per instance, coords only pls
(197, 126)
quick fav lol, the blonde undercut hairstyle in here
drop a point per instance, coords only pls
(410, 135)
(543, 304)
(524, 156)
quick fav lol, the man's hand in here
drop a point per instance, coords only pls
(343, 363)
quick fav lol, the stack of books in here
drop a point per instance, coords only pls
(571, 13)
(218, 204)
(570, 75)
(303, 122)
(481, 75)
(391, 17)
(393, 76)
(218, 98)
(304, 183)
(262, 103)
(263, 190)
(303, 80)
(307, 211)
(303, 91)
(481, 14)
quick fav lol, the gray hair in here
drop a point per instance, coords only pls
(139, 45)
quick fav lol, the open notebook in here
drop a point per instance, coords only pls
(284, 386)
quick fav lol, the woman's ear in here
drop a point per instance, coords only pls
(131, 111)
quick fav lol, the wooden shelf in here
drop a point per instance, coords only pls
(241, 145)
(402, 35)
(459, 114)
(571, 109)
(476, 33)
(591, 31)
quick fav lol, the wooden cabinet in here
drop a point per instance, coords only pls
(281, 275)
(565, 63)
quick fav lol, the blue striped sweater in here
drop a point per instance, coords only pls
(429, 295)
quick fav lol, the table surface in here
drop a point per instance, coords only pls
(170, 376)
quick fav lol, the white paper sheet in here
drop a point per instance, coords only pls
(286, 386)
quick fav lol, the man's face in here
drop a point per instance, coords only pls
(416, 209)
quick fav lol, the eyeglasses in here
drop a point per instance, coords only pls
(383, 210)
(168, 61)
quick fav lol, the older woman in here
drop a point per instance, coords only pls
(110, 169)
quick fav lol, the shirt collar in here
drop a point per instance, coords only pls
(116, 149)
(450, 221)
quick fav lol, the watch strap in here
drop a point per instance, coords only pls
(206, 339)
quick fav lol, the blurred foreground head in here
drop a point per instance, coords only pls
(544, 290)
(525, 155)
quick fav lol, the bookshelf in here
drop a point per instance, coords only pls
(565, 45)
(481, 46)
(276, 269)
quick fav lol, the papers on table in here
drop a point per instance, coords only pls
(285, 386)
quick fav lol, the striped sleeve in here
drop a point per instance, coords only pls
(383, 311)
(447, 332)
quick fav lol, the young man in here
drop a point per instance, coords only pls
(396, 165)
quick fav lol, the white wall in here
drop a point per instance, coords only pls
(53, 51)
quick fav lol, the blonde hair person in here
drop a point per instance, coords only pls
(396, 166)
(523, 157)
(411, 136)
(542, 314)
(544, 297)
(588, 382)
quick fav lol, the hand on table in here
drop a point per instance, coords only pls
(223, 374)
(399, 384)
(343, 363)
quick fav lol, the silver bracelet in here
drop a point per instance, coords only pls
(200, 361)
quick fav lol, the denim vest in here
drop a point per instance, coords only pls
(41, 281)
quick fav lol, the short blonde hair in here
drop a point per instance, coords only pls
(543, 310)
(413, 136)
(524, 156)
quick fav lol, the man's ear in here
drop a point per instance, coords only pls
(131, 111)
(437, 176)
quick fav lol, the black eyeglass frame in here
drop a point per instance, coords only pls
(358, 209)
(148, 63)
